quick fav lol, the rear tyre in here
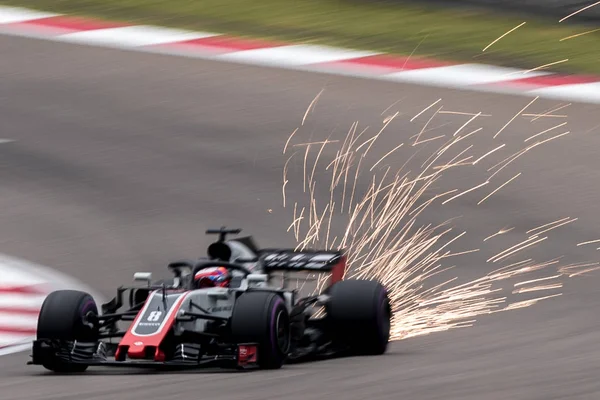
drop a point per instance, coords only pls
(262, 318)
(359, 316)
(66, 316)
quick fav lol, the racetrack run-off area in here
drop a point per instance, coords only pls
(322, 59)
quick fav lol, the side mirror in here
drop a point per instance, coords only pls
(257, 280)
(143, 276)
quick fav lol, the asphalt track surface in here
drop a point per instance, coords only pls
(121, 160)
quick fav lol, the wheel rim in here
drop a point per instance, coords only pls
(384, 317)
(88, 314)
(386, 323)
(281, 332)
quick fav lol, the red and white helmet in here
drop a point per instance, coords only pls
(212, 277)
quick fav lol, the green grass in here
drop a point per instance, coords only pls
(449, 34)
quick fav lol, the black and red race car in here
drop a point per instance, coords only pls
(224, 310)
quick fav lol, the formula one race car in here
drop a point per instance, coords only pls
(222, 311)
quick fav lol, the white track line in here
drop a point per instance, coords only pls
(15, 272)
(299, 57)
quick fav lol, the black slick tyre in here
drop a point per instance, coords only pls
(64, 317)
(262, 318)
(359, 316)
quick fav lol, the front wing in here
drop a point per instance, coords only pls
(94, 354)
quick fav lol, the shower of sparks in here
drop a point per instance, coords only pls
(377, 222)
(541, 227)
(518, 247)
(579, 269)
(464, 113)
(285, 181)
(516, 115)
(382, 158)
(500, 232)
(312, 105)
(578, 11)
(588, 242)
(499, 187)
(556, 226)
(547, 112)
(466, 191)
(545, 131)
(546, 65)
(418, 136)
(391, 106)
(579, 34)
(288, 141)
(537, 280)
(425, 109)
(537, 288)
(503, 35)
(311, 143)
(413, 52)
(466, 123)
(536, 116)
(488, 153)
(507, 161)
(529, 303)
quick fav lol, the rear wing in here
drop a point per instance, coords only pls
(319, 261)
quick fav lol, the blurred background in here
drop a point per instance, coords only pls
(447, 29)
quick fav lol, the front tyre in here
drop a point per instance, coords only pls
(359, 316)
(66, 315)
(262, 318)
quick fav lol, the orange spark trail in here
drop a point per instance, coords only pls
(374, 213)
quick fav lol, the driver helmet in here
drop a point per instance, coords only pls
(212, 277)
